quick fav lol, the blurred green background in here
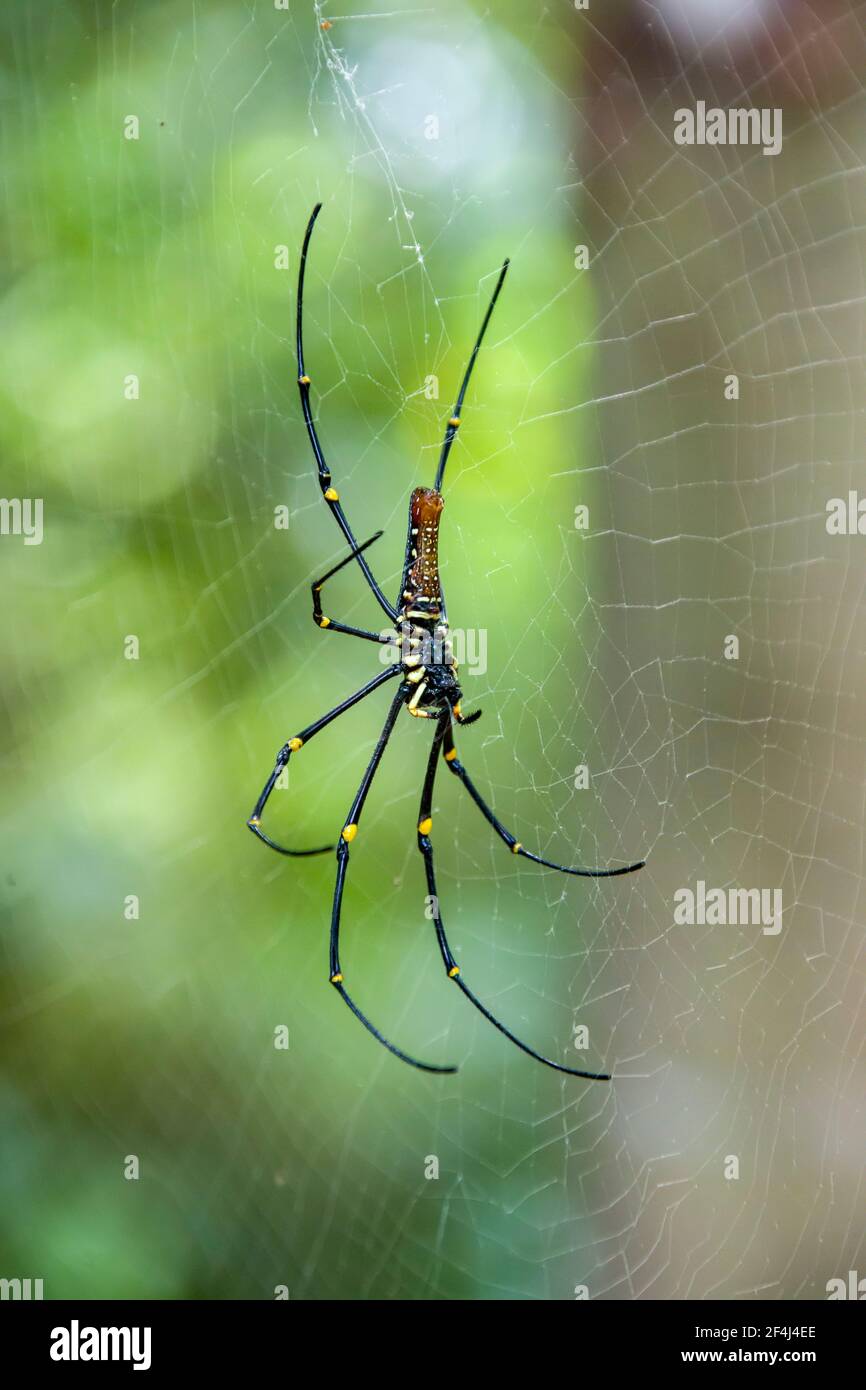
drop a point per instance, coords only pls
(162, 257)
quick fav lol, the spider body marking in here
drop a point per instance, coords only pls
(425, 639)
(428, 689)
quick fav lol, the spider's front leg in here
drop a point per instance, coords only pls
(516, 846)
(465, 719)
(347, 835)
(293, 746)
(425, 845)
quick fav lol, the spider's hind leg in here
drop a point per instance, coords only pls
(329, 492)
(425, 825)
(330, 624)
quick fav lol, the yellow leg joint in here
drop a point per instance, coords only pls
(454, 422)
(451, 755)
(337, 979)
(254, 820)
(349, 832)
(332, 495)
(425, 826)
(295, 744)
(455, 970)
(516, 847)
(324, 622)
(304, 380)
(412, 706)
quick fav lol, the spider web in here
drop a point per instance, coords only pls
(440, 139)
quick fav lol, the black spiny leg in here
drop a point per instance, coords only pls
(329, 624)
(347, 835)
(330, 494)
(425, 824)
(515, 845)
(255, 820)
(454, 422)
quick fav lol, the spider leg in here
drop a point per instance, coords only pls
(293, 745)
(454, 423)
(330, 624)
(425, 822)
(465, 719)
(516, 847)
(348, 833)
(330, 494)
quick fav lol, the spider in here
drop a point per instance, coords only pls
(428, 689)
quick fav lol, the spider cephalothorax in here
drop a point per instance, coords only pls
(428, 689)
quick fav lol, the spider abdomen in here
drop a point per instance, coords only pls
(421, 596)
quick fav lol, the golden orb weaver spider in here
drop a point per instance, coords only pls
(428, 689)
